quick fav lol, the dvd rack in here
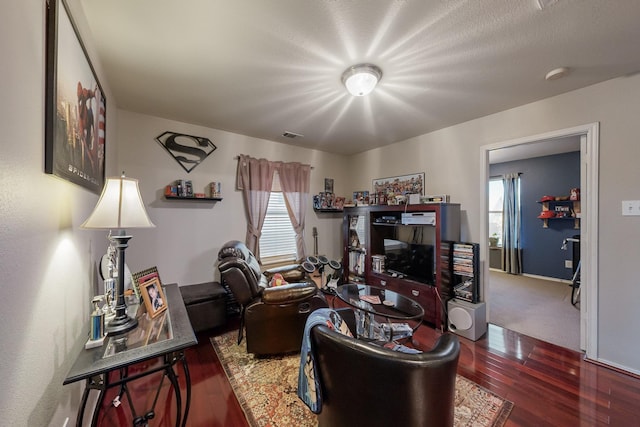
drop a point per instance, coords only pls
(466, 271)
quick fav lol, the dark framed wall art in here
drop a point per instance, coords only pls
(76, 107)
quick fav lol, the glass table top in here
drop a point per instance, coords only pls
(381, 302)
(168, 332)
(149, 331)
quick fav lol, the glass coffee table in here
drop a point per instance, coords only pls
(401, 314)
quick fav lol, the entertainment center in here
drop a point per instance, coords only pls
(403, 248)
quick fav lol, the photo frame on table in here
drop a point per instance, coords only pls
(75, 105)
(144, 276)
(153, 296)
(400, 185)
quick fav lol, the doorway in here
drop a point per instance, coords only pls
(588, 135)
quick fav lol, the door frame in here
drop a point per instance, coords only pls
(589, 156)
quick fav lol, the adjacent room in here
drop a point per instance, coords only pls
(245, 213)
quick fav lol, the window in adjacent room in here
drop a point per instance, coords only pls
(278, 240)
(496, 208)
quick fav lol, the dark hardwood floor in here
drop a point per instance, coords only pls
(549, 385)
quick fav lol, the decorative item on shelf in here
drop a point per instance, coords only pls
(377, 263)
(171, 190)
(120, 207)
(328, 185)
(562, 211)
(188, 150)
(184, 188)
(435, 198)
(399, 186)
(361, 198)
(574, 194)
(215, 189)
(326, 201)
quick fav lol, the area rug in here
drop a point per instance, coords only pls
(267, 391)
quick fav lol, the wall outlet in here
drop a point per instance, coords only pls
(568, 263)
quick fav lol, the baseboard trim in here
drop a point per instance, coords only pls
(535, 276)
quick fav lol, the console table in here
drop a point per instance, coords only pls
(165, 337)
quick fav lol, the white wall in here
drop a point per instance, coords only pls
(47, 264)
(188, 235)
(451, 160)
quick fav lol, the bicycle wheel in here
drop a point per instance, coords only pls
(575, 293)
(575, 285)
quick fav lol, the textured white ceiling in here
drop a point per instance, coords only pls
(263, 67)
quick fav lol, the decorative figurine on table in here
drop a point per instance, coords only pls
(109, 273)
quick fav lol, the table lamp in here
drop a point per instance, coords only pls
(120, 207)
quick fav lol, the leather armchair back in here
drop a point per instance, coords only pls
(363, 384)
(241, 271)
(274, 316)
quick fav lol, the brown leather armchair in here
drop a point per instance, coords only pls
(363, 384)
(272, 317)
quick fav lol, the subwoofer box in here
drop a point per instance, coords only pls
(467, 319)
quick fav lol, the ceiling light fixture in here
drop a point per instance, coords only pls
(361, 79)
(557, 73)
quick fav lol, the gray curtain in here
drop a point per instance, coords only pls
(512, 224)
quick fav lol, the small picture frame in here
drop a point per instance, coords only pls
(328, 185)
(144, 276)
(153, 296)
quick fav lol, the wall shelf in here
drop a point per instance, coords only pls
(328, 210)
(195, 199)
(572, 211)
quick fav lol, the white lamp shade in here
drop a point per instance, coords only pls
(120, 206)
(361, 79)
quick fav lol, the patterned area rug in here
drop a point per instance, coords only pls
(266, 389)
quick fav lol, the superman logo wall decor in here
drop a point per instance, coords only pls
(188, 150)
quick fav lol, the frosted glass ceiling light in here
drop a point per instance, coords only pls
(361, 79)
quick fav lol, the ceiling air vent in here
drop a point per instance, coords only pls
(292, 135)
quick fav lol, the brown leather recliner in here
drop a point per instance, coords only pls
(363, 384)
(273, 317)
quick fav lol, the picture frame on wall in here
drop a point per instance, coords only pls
(328, 185)
(75, 122)
(399, 185)
(153, 296)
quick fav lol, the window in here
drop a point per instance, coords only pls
(496, 208)
(278, 240)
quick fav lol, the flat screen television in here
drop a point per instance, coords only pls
(412, 260)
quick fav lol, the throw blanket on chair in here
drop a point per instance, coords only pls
(308, 385)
